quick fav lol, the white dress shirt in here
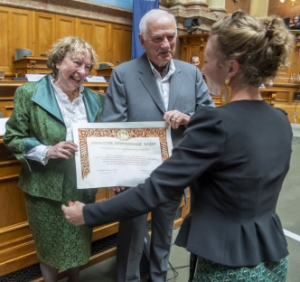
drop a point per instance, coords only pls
(164, 83)
(72, 112)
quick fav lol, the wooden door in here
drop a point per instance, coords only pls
(45, 32)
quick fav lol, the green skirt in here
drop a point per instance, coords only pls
(208, 271)
(59, 243)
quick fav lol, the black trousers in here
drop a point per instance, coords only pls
(131, 240)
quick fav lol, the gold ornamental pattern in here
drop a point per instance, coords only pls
(112, 132)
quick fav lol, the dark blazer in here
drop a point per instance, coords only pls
(234, 158)
(133, 94)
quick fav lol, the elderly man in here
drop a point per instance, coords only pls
(195, 60)
(153, 87)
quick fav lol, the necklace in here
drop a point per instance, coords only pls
(73, 95)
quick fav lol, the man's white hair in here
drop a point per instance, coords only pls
(151, 16)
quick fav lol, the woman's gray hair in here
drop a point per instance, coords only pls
(73, 45)
(151, 16)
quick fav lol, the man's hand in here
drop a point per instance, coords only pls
(63, 150)
(73, 213)
(117, 188)
(176, 118)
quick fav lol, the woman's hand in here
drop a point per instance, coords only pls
(62, 150)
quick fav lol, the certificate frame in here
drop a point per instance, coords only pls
(122, 131)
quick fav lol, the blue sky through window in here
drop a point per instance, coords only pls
(127, 4)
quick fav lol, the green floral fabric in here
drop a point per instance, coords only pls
(208, 271)
(33, 123)
(59, 243)
(36, 119)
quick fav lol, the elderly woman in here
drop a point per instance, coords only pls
(234, 158)
(39, 133)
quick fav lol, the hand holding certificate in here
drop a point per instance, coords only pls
(119, 154)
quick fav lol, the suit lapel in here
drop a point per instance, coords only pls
(175, 85)
(92, 104)
(43, 96)
(149, 81)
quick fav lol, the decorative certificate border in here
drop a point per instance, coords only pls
(112, 132)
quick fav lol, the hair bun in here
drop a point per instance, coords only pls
(260, 45)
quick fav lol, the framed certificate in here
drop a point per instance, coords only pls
(119, 154)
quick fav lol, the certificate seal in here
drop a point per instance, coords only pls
(123, 135)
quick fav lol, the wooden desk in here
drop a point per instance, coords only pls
(106, 72)
(8, 88)
(31, 65)
(267, 94)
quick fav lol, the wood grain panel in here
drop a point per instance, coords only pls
(5, 63)
(116, 45)
(5, 107)
(84, 30)
(120, 44)
(65, 26)
(126, 44)
(231, 7)
(14, 232)
(22, 31)
(193, 45)
(12, 203)
(284, 10)
(45, 32)
(20, 250)
(101, 42)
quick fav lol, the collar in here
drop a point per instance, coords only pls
(60, 94)
(156, 73)
(44, 96)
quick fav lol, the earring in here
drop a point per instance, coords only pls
(227, 80)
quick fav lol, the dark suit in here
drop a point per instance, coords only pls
(133, 96)
(235, 158)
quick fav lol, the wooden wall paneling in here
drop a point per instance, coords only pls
(101, 194)
(102, 41)
(297, 55)
(286, 73)
(18, 262)
(116, 44)
(283, 10)
(193, 45)
(45, 32)
(5, 62)
(12, 202)
(85, 30)
(21, 32)
(65, 26)
(120, 44)
(14, 233)
(126, 44)
(6, 106)
(231, 7)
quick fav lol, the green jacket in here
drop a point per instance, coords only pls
(37, 120)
